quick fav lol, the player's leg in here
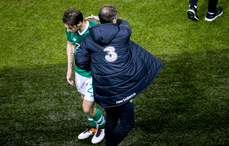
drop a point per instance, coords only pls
(192, 10)
(81, 87)
(90, 108)
(94, 113)
(91, 129)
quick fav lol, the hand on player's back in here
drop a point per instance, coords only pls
(92, 17)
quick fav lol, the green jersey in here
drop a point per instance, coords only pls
(76, 38)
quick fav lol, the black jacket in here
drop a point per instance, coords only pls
(120, 68)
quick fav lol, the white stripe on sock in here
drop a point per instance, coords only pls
(101, 123)
(90, 119)
(99, 119)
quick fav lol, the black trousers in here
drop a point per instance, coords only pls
(211, 4)
(119, 121)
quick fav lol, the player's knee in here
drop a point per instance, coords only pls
(88, 110)
(88, 107)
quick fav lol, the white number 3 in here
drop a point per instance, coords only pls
(111, 55)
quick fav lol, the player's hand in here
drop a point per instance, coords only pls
(92, 17)
(69, 78)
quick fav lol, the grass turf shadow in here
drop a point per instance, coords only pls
(39, 107)
(186, 104)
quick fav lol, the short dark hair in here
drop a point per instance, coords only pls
(107, 14)
(72, 17)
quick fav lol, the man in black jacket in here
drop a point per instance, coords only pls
(121, 69)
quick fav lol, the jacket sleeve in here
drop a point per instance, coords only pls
(83, 57)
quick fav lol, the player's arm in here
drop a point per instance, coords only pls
(70, 55)
(92, 17)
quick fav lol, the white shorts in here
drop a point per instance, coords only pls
(84, 86)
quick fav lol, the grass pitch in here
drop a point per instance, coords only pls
(187, 104)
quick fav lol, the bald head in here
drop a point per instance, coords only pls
(107, 14)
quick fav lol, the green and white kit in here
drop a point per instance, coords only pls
(83, 78)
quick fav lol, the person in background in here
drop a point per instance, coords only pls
(212, 14)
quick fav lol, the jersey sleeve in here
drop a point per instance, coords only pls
(92, 23)
(68, 35)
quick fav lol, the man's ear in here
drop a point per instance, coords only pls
(115, 21)
(79, 24)
(74, 26)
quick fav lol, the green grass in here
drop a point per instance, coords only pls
(187, 104)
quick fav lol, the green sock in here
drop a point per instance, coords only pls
(99, 119)
(92, 122)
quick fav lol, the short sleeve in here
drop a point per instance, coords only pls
(68, 35)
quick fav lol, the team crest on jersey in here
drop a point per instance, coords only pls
(74, 39)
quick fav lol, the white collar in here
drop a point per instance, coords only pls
(81, 33)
